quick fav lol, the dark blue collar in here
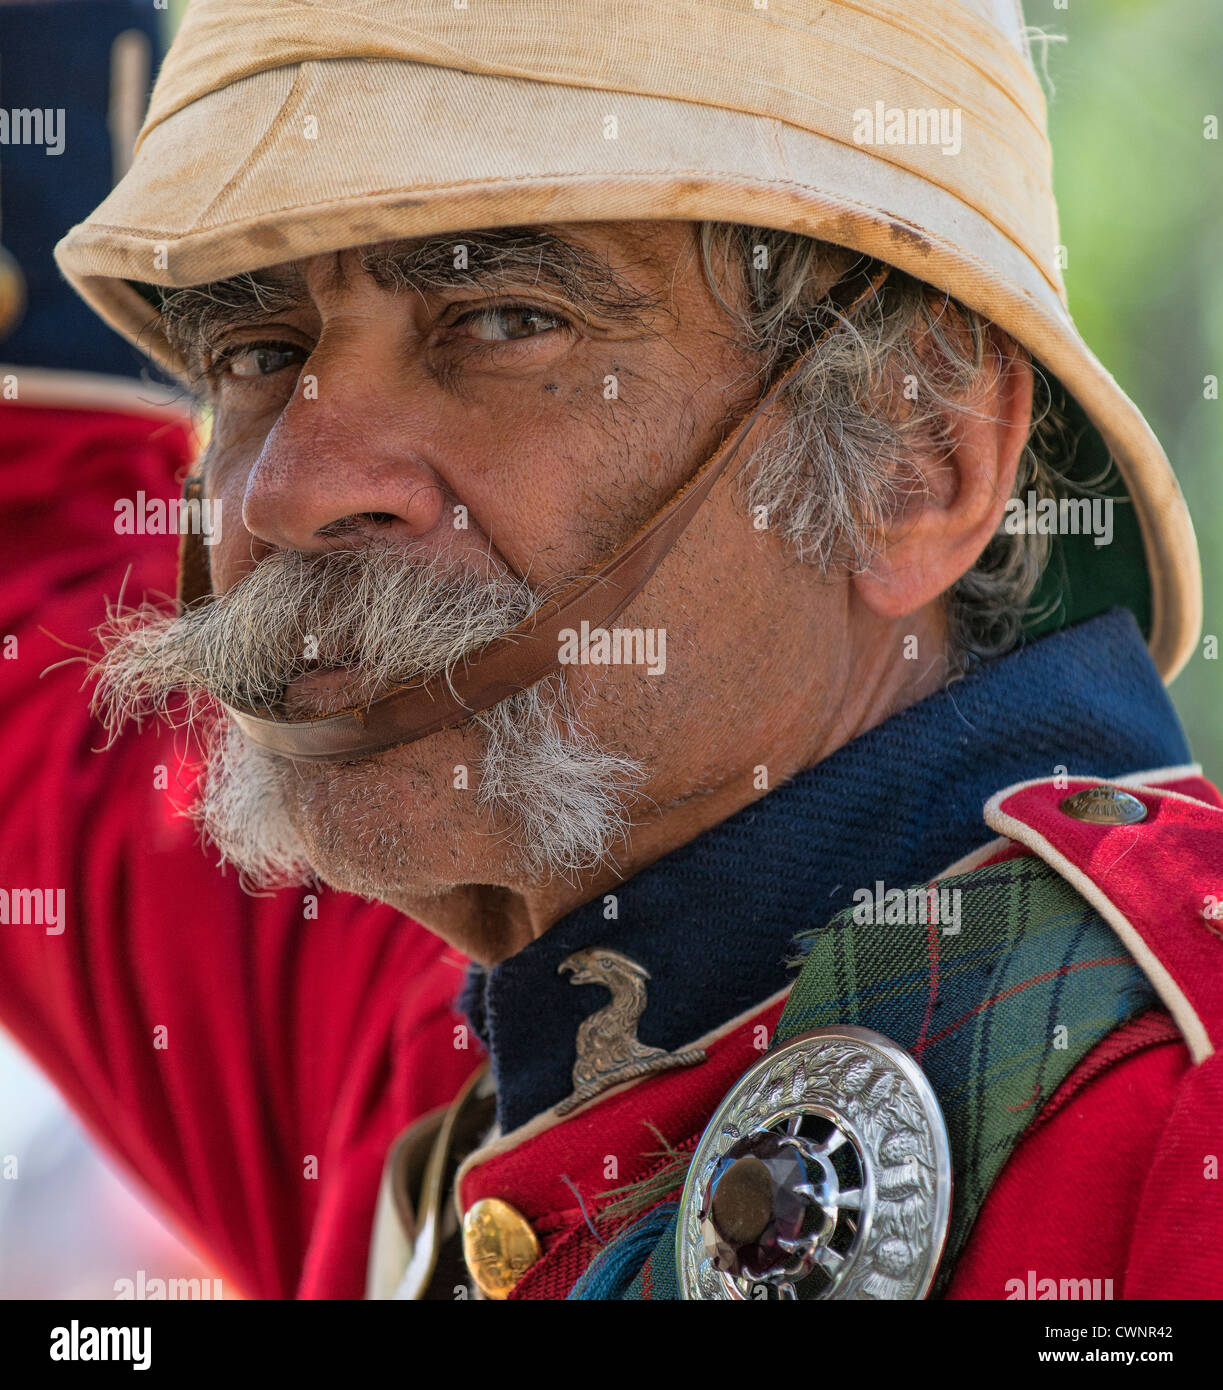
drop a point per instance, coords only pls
(712, 921)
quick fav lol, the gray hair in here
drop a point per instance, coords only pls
(873, 395)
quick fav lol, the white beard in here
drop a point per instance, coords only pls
(561, 797)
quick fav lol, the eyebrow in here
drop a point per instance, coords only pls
(190, 317)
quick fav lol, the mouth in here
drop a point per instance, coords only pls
(330, 689)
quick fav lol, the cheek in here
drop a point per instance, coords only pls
(226, 468)
(735, 662)
(559, 485)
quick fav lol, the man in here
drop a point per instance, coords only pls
(659, 527)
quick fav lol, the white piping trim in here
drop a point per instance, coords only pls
(46, 386)
(1186, 1018)
(1160, 774)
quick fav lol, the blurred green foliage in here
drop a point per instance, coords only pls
(1140, 189)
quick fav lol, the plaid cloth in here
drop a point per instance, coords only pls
(997, 1016)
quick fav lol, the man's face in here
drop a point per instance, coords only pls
(498, 406)
(406, 441)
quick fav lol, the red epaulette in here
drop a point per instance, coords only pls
(1155, 873)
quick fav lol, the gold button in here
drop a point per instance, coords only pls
(12, 291)
(498, 1245)
(1105, 806)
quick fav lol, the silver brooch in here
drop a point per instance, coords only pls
(824, 1174)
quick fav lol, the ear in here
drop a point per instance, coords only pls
(939, 534)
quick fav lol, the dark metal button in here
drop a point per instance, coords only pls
(759, 1197)
(1105, 805)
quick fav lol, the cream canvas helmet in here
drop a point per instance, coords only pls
(911, 133)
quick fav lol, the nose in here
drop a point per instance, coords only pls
(348, 457)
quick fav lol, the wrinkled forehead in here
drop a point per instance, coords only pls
(577, 252)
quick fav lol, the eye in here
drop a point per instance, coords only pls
(502, 323)
(247, 361)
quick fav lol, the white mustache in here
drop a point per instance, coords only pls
(387, 617)
(560, 796)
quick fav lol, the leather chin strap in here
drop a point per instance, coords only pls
(527, 653)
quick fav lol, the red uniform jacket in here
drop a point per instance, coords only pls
(251, 1059)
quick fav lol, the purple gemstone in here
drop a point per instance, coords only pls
(753, 1203)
